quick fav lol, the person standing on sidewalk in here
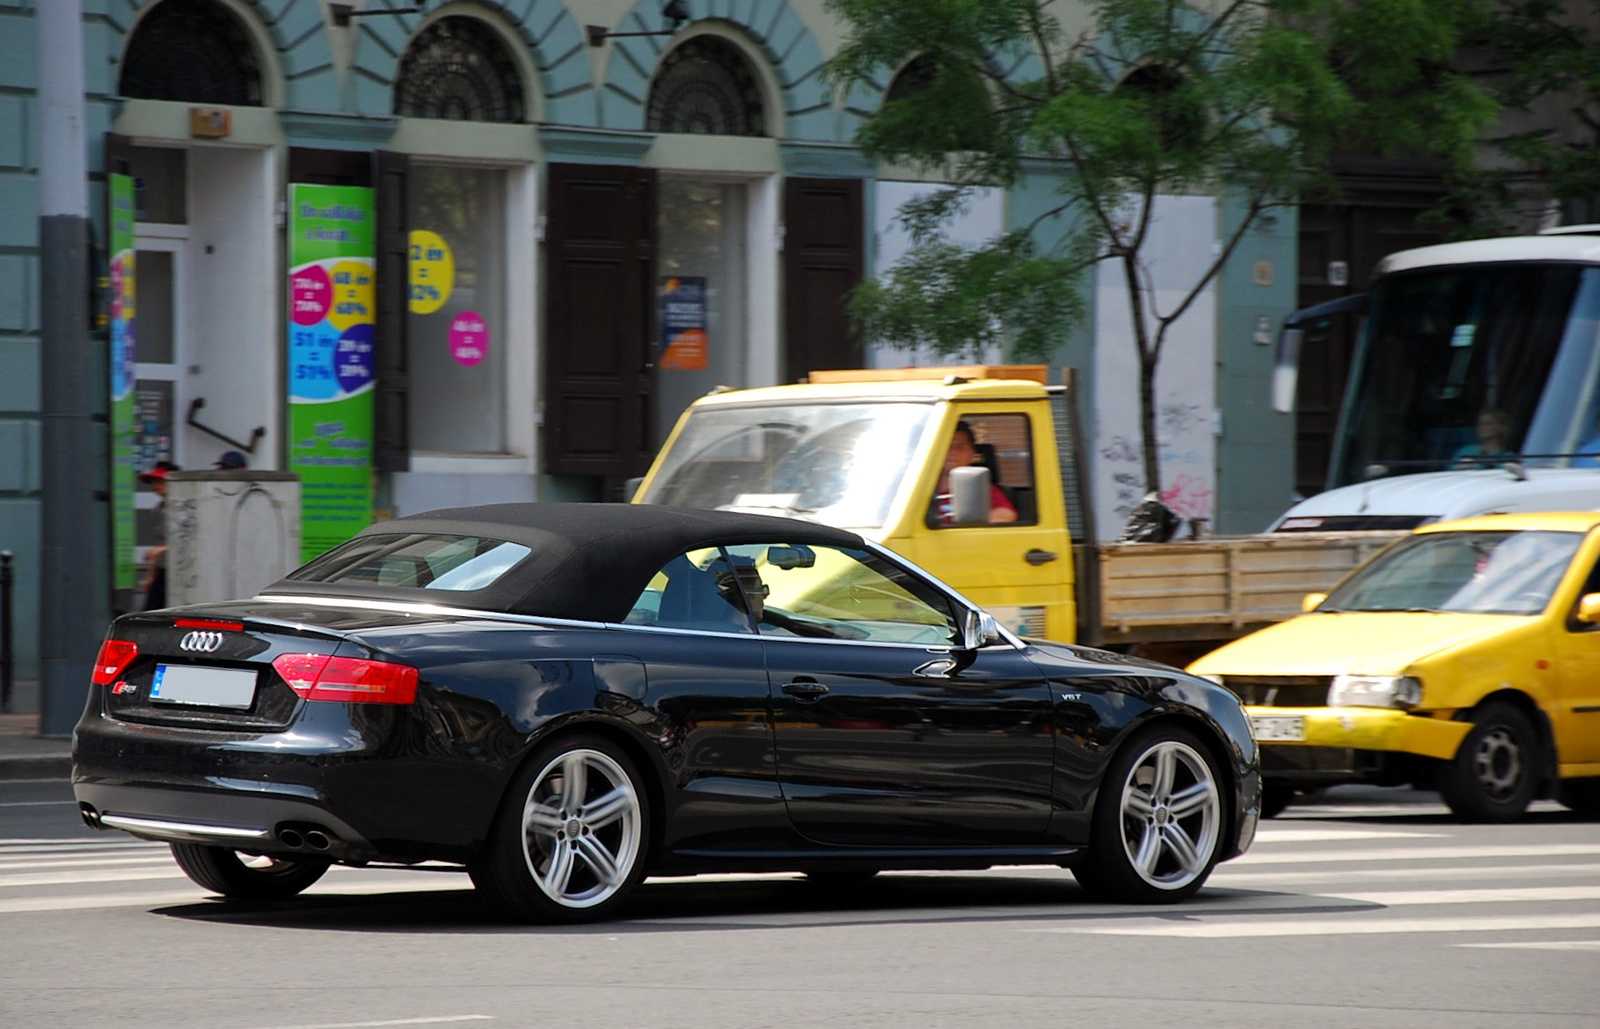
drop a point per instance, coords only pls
(153, 587)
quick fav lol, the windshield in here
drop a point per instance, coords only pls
(834, 463)
(1469, 366)
(1502, 573)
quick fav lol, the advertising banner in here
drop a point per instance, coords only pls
(683, 322)
(332, 258)
(123, 368)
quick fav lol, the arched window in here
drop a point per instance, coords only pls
(1176, 107)
(194, 51)
(459, 69)
(957, 94)
(706, 86)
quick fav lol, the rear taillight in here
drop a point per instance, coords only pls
(115, 656)
(320, 677)
(208, 623)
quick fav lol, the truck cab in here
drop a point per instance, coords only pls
(866, 450)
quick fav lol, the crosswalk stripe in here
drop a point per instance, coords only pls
(1239, 878)
(1306, 857)
(1340, 925)
(196, 895)
(1537, 945)
(1271, 836)
(1496, 895)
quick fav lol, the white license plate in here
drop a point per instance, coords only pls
(208, 687)
(1279, 727)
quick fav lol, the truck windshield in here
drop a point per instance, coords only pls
(1502, 573)
(835, 463)
(1469, 365)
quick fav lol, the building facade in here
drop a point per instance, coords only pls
(513, 240)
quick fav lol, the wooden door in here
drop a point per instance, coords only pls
(599, 347)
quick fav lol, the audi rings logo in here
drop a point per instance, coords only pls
(201, 642)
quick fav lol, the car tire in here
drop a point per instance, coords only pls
(1276, 798)
(247, 877)
(1495, 773)
(571, 839)
(1582, 796)
(1158, 825)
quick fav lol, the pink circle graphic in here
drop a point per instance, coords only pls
(469, 338)
(310, 294)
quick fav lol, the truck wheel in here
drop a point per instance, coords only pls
(1494, 775)
(1158, 824)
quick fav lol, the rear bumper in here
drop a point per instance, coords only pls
(260, 824)
(340, 785)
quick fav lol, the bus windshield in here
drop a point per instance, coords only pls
(1469, 366)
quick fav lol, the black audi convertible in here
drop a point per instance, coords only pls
(565, 698)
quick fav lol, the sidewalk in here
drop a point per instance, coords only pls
(24, 754)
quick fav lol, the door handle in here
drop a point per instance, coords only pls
(1039, 557)
(804, 689)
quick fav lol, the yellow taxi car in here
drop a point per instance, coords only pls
(1464, 658)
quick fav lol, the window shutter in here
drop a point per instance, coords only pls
(600, 290)
(391, 443)
(823, 259)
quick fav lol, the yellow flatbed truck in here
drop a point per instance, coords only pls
(865, 450)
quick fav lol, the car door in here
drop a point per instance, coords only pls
(887, 736)
(1575, 721)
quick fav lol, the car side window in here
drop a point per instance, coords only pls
(823, 592)
(699, 589)
(1002, 443)
(1590, 585)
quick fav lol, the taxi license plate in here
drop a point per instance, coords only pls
(1279, 727)
(207, 687)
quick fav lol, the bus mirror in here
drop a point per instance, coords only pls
(1286, 373)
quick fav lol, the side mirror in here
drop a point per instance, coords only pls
(969, 495)
(1312, 601)
(979, 628)
(1589, 609)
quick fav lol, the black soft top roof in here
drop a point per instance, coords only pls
(588, 561)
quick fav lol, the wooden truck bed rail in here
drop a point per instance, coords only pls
(1216, 588)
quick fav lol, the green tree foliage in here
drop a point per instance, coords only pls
(1248, 98)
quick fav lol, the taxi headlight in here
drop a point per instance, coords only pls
(1402, 691)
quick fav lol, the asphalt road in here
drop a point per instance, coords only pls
(1370, 908)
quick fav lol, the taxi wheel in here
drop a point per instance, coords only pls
(1582, 796)
(247, 876)
(1494, 775)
